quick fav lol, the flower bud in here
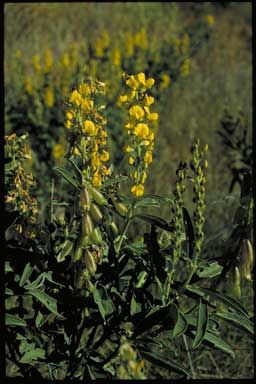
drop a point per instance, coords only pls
(114, 228)
(246, 260)
(85, 199)
(77, 253)
(97, 196)
(96, 236)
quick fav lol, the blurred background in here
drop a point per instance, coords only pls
(200, 55)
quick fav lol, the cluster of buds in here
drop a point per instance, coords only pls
(88, 134)
(198, 166)
(129, 367)
(139, 127)
(89, 245)
(18, 197)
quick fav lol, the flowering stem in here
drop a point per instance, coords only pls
(130, 216)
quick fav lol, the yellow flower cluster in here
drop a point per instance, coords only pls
(184, 69)
(18, 197)
(209, 19)
(141, 135)
(101, 44)
(84, 120)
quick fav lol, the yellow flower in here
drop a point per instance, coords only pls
(123, 98)
(105, 170)
(104, 156)
(89, 128)
(136, 111)
(184, 70)
(141, 78)
(97, 179)
(65, 60)
(132, 82)
(99, 48)
(18, 54)
(210, 19)
(148, 100)
(141, 130)
(149, 82)
(67, 124)
(28, 85)
(151, 136)
(36, 63)
(84, 89)
(76, 151)
(165, 81)
(86, 105)
(143, 177)
(152, 116)
(131, 95)
(48, 60)
(58, 151)
(128, 149)
(129, 46)
(75, 98)
(49, 97)
(148, 157)
(131, 160)
(137, 190)
(70, 114)
(95, 159)
(116, 57)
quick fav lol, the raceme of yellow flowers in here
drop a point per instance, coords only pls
(139, 128)
(87, 126)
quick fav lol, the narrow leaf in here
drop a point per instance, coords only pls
(156, 221)
(181, 325)
(241, 321)
(218, 343)
(189, 231)
(14, 320)
(68, 177)
(26, 274)
(48, 301)
(202, 321)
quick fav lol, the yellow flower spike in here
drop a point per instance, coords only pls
(210, 19)
(131, 160)
(58, 151)
(89, 128)
(36, 63)
(148, 157)
(65, 60)
(67, 124)
(104, 156)
(152, 116)
(123, 98)
(151, 136)
(137, 190)
(49, 97)
(96, 181)
(48, 60)
(141, 78)
(141, 130)
(149, 82)
(87, 105)
(137, 112)
(116, 57)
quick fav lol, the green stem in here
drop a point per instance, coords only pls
(124, 233)
(193, 374)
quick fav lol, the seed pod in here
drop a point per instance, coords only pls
(89, 262)
(96, 236)
(96, 213)
(86, 241)
(88, 284)
(85, 199)
(246, 260)
(121, 208)
(236, 280)
(97, 196)
(78, 252)
(87, 225)
(114, 228)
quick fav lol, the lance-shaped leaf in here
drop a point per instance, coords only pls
(157, 221)
(189, 231)
(240, 321)
(69, 177)
(202, 322)
(218, 343)
(26, 274)
(181, 324)
(14, 320)
(48, 301)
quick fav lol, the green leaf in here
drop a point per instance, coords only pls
(69, 177)
(8, 267)
(48, 301)
(37, 282)
(35, 354)
(211, 270)
(146, 202)
(40, 319)
(114, 181)
(236, 319)
(157, 359)
(26, 274)
(202, 322)
(101, 298)
(8, 291)
(218, 343)
(156, 221)
(14, 320)
(64, 251)
(181, 324)
(225, 299)
(134, 307)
